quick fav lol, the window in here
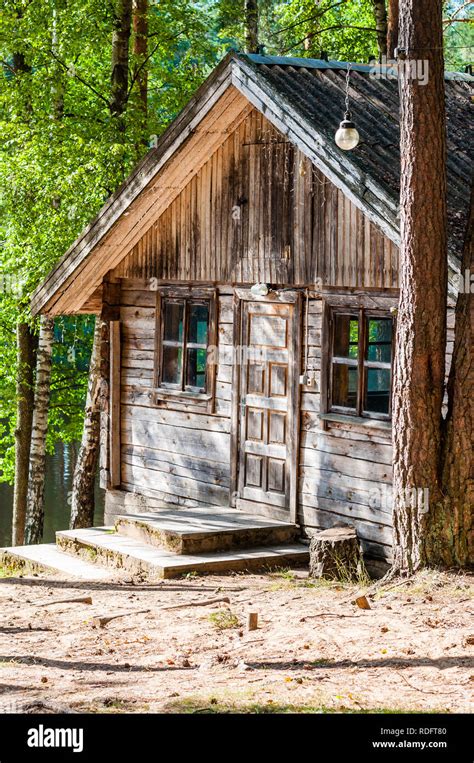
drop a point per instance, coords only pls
(185, 331)
(360, 363)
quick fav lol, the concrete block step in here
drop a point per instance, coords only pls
(117, 551)
(47, 557)
(203, 530)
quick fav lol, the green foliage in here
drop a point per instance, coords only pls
(62, 152)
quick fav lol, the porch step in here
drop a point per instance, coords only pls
(121, 552)
(204, 529)
(48, 557)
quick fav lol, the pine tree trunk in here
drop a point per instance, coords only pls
(120, 57)
(451, 532)
(83, 504)
(380, 15)
(251, 26)
(35, 497)
(421, 325)
(392, 32)
(26, 351)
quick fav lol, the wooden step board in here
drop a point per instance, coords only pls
(48, 557)
(118, 551)
(201, 530)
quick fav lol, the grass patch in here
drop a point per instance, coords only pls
(10, 570)
(224, 619)
(214, 706)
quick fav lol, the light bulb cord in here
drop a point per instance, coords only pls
(348, 74)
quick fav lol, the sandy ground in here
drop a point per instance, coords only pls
(314, 649)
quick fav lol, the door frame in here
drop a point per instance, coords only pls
(293, 297)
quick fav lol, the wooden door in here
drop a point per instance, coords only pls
(268, 407)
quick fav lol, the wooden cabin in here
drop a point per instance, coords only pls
(248, 273)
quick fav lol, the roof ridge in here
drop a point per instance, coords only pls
(318, 63)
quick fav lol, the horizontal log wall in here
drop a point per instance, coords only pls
(182, 458)
(169, 453)
(258, 210)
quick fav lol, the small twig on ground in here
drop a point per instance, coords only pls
(326, 614)
(424, 691)
(80, 600)
(101, 622)
(199, 603)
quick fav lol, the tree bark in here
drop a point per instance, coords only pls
(421, 325)
(251, 26)
(380, 15)
(83, 504)
(392, 31)
(35, 496)
(450, 539)
(120, 57)
(26, 352)
(140, 47)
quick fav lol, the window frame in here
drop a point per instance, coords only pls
(183, 393)
(363, 313)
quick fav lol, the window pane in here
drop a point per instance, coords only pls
(344, 386)
(379, 339)
(377, 395)
(346, 336)
(198, 320)
(173, 320)
(196, 368)
(172, 363)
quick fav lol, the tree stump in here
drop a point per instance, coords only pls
(336, 554)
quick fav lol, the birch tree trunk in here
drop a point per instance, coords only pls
(421, 324)
(26, 352)
(35, 496)
(380, 15)
(83, 504)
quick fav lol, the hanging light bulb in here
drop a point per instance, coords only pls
(347, 136)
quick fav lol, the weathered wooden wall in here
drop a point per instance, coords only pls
(171, 455)
(182, 457)
(258, 210)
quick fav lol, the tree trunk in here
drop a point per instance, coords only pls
(140, 46)
(380, 15)
(392, 32)
(35, 498)
(26, 351)
(451, 534)
(120, 57)
(421, 325)
(251, 26)
(82, 508)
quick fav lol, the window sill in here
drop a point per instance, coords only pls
(356, 421)
(167, 394)
(179, 400)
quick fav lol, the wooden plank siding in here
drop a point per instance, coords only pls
(258, 210)
(184, 458)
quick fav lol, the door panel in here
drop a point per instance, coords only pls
(268, 404)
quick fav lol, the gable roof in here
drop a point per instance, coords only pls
(304, 99)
